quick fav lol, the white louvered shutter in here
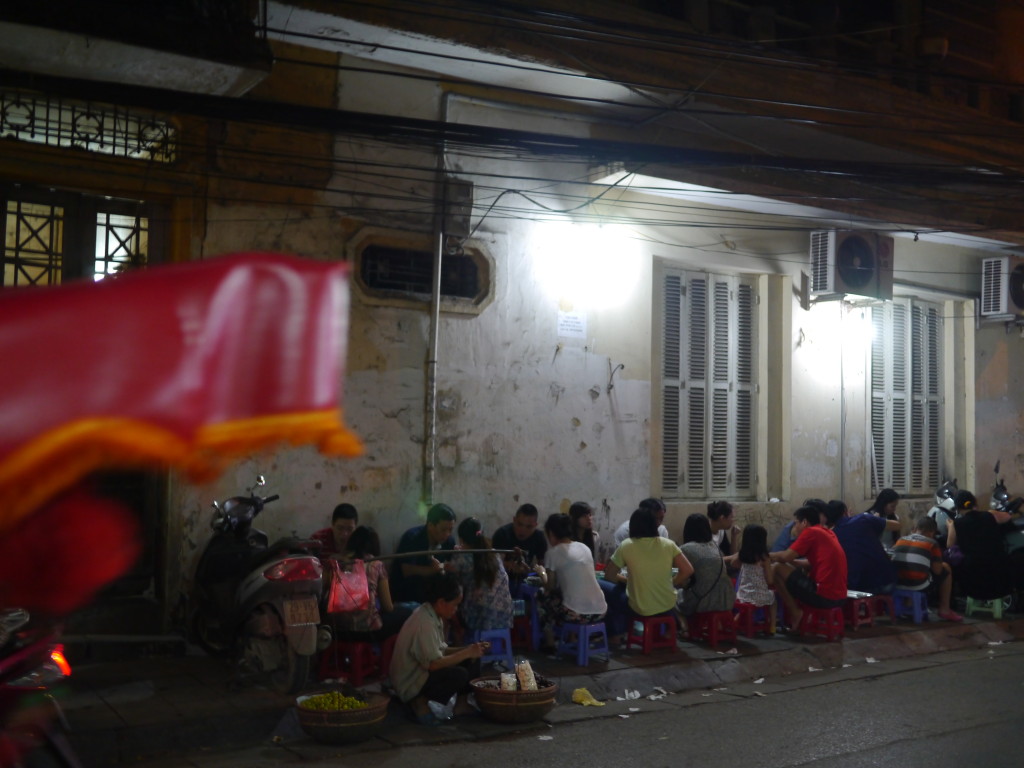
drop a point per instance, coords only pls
(906, 396)
(696, 385)
(708, 386)
(672, 298)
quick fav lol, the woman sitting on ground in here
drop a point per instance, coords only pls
(648, 561)
(710, 588)
(486, 602)
(571, 594)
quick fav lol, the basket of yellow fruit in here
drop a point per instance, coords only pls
(333, 717)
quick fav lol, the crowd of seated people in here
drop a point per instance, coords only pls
(818, 557)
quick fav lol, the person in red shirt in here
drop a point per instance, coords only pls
(334, 540)
(823, 583)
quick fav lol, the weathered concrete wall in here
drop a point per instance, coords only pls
(999, 408)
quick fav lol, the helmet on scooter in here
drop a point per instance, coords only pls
(945, 491)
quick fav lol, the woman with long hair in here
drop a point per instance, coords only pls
(582, 516)
(382, 618)
(885, 507)
(486, 602)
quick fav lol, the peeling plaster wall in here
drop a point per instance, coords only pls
(999, 408)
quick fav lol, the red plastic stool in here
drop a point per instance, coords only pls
(356, 661)
(826, 622)
(654, 632)
(522, 633)
(883, 604)
(751, 619)
(713, 626)
(859, 611)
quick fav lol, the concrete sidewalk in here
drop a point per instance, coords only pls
(184, 707)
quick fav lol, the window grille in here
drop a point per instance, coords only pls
(400, 270)
(109, 130)
(51, 236)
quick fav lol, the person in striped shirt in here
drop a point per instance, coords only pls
(919, 564)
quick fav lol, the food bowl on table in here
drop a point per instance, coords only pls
(336, 719)
(514, 706)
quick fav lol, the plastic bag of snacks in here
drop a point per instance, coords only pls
(509, 681)
(527, 680)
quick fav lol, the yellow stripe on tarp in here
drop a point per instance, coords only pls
(56, 460)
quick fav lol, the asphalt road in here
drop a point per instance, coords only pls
(957, 709)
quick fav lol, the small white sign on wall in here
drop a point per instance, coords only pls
(572, 325)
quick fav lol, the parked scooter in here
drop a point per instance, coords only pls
(1003, 502)
(1001, 499)
(33, 730)
(257, 601)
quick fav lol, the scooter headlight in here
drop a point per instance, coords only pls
(47, 674)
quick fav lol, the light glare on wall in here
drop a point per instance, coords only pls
(586, 266)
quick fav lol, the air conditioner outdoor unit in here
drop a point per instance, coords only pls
(850, 262)
(1002, 287)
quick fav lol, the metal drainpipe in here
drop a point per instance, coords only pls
(430, 426)
(843, 320)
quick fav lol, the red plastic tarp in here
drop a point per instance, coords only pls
(186, 366)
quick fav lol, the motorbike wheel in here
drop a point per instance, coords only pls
(207, 640)
(264, 650)
(292, 675)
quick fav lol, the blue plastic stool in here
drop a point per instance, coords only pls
(501, 645)
(582, 640)
(912, 603)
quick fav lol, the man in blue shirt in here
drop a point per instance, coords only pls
(869, 568)
(408, 573)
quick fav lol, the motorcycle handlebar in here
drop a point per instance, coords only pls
(269, 499)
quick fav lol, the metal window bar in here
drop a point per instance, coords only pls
(121, 243)
(33, 240)
(104, 129)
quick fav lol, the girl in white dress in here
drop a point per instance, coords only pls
(756, 571)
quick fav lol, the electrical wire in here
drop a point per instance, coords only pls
(641, 37)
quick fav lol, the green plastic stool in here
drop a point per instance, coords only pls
(995, 607)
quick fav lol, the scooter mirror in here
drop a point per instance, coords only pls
(260, 481)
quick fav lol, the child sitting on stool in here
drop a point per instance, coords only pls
(424, 668)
